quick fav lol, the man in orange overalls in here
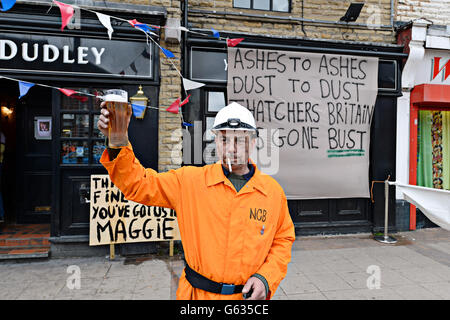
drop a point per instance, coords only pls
(234, 220)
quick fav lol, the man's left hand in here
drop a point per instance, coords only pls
(259, 290)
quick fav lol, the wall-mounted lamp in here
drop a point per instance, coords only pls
(6, 111)
(141, 100)
(352, 12)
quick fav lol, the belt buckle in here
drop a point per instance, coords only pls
(227, 288)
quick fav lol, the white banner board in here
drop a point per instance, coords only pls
(314, 111)
(434, 203)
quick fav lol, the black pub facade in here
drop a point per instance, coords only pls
(52, 143)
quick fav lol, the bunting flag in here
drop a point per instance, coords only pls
(7, 4)
(73, 94)
(215, 33)
(191, 85)
(185, 101)
(106, 22)
(67, 12)
(144, 27)
(167, 53)
(134, 22)
(174, 107)
(24, 87)
(141, 25)
(234, 42)
(138, 110)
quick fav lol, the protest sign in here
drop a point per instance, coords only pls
(314, 111)
(114, 219)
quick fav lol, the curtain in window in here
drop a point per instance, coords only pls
(433, 162)
(446, 149)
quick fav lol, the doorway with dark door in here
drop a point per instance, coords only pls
(27, 180)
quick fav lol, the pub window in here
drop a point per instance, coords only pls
(208, 64)
(267, 5)
(387, 75)
(81, 142)
(215, 100)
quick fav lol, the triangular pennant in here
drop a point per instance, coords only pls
(5, 5)
(137, 110)
(24, 87)
(174, 107)
(167, 53)
(134, 22)
(215, 33)
(67, 92)
(234, 42)
(80, 98)
(191, 85)
(144, 27)
(73, 94)
(66, 13)
(106, 22)
(185, 101)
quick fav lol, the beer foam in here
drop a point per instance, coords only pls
(115, 98)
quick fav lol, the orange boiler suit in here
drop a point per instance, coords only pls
(227, 236)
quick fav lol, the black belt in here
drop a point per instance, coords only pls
(200, 282)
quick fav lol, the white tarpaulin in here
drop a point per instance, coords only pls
(434, 203)
(314, 111)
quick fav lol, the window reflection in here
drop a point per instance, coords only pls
(68, 103)
(74, 125)
(95, 132)
(268, 5)
(261, 4)
(216, 101)
(74, 152)
(281, 5)
(97, 151)
(208, 133)
(81, 141)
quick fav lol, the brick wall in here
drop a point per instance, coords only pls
(170, 137)
(437, 11)
(375, 13)
(169, 133)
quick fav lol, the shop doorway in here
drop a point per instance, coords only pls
(429, 156)
(27, 179)
(8, 104)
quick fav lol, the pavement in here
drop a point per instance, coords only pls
(340, 267)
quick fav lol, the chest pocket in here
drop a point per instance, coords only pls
(259, 234)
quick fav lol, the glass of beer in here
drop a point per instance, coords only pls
(119, 115)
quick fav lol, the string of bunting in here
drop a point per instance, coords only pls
(67, 12)
(25, 86)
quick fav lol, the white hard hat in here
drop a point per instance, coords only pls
(234, 117)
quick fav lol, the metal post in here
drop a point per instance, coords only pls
(112, 253)
(171, 248)
(386, 238)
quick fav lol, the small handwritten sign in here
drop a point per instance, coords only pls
(114, 219)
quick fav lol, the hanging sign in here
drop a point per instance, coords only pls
(75, 55)
(434, 68)
(114, 219)
(315, 112)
